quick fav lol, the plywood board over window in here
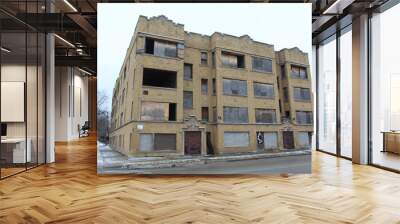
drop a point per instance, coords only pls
(154, 111)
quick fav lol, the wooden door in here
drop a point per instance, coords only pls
(288, 140)
(192, 142)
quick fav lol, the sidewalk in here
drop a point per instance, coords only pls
(110, 159)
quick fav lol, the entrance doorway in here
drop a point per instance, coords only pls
(192, 142)
(288, 140)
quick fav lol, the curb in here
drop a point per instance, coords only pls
(182, 162)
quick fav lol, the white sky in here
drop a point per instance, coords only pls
(282, 25)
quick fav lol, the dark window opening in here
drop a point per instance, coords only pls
(299, 72)
(149, 46)
(214, 87)
(159, 78)
(204, 113)
(172, 112)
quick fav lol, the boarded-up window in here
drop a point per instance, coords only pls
(164, 141)
(204, 58)
(304, 117)
(204, 113)
(303, 139)
(298, 72)
(154, 111)
(165, 49)
(188, 72)
(232, 60)
(263, 90)
(262, 64)
(204, 86)
(301, 94)
(270, 140)
(187, 99)
(236, 115)
(236, 139)
(265, 116)
(235, 87)
(157, 142)
(214, 114)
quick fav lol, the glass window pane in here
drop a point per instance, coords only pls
(327, 96)
(15, 149)
(263, 90)
(346, 94)
(385, 89)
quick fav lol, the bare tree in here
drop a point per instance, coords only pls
(103, 117)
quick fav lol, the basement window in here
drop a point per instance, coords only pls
(161, 48)
(232, 60)
(155, 111)
(159, 78)
(157, 142)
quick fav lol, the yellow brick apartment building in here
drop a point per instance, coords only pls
(183, 93)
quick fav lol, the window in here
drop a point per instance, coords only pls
(132, 111)
(159, 78)
(157, 142)
(187, 99)
(123, 96)
(262, 64)
(235, 87)
(188, 73)
(270, 140)
(213, 58)
(236, 115)
(160, 48)
(263, 90)
(303, 139)
(204, 113)
(124, 72)
(121, 121)
(214, 87)
(155, 111)
(204, 86)
(265, 116)
(327, 96)
(236, 139)
(232, 60)
(214, 114)
(304, 117)
(204, 58)
(301, 94)
(299, 72)
(283, 70)
(285, 94)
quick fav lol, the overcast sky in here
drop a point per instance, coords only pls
(282, 25)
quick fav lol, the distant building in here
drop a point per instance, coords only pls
(182, 93)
